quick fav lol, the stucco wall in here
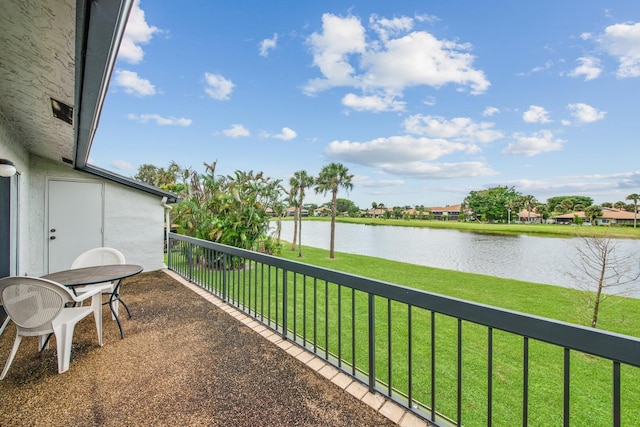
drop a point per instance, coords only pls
(133, 220)
(11, 150)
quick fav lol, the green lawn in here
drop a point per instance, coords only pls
(590, 377)
(334, 317)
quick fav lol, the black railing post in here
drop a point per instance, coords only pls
(372, 343)
(285, 304)
(190, 256)
(616, 394)
(224, 278)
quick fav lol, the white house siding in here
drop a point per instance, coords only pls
(133, 220)
(134, 223)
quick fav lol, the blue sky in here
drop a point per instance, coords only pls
(422, 101)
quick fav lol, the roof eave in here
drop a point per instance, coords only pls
(130, 182)
(100, 27)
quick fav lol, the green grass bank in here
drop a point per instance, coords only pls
(591, 399)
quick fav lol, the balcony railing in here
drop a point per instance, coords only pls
(449, 361)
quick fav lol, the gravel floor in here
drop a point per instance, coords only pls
(183, 362)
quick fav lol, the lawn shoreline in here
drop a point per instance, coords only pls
(543, 230)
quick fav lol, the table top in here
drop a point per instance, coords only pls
(91, 275)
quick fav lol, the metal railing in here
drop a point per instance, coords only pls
(449, 361)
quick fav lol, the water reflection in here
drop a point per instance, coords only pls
(533, 259)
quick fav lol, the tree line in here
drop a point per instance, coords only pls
(499, 203)
(236, 209)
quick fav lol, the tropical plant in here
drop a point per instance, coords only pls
(512, 204)
(635, 198)
(302, 181)
(529, 202)
(228, 209)
(331, 178)
(294, 189)
(592, 212)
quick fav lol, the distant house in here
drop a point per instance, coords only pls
(375, 213)
(610, 216)
(416, 213)
(529, 217)
(291, 211)
(322, 211)
(447, 213)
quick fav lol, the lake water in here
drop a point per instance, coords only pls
(532, 259)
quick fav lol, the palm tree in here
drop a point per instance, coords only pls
(293, 201)
(529, 203)
(303, 180)
(511, 205)
(635, 198)
(331, 178)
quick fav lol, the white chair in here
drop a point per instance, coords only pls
(102, 256)
(5, 320)
(38, 307)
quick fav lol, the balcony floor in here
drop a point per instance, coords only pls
(183, 361)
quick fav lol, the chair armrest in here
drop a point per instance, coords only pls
(91, 292)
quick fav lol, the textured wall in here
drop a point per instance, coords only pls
(133, 219)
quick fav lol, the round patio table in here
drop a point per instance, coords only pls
(75, 277)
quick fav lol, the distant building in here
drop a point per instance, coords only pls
(447, 213)
(529, 217)
(610, 216)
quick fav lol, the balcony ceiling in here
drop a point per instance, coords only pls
(63, 50)
(37, 63)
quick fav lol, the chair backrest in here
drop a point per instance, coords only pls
(32, 302)
(98, 256)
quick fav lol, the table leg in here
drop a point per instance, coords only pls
(114, 298)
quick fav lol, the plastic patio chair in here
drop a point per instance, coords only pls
(4, 318)
(38, 307)
(96, 257)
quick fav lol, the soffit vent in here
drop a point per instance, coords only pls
(62, 111)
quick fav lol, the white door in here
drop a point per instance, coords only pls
(75, 222)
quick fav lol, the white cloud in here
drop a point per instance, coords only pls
(340, 37)
(589, 68)
(133, 84)
(267, 44)
(430, 101)
(490, 111)
(585, 113)
(408, 156)
(390, 27)
(391, 62)
(424, 170)
(236, 131)
(367, 182)
(461, 129)
(218, 87)
(160, 121)
(536, 114)
(286, 134)
(394, 149)
(373, 103)
(546, 66)
(622, 41)
(121, 165)
(533, 144)
(137, 33)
